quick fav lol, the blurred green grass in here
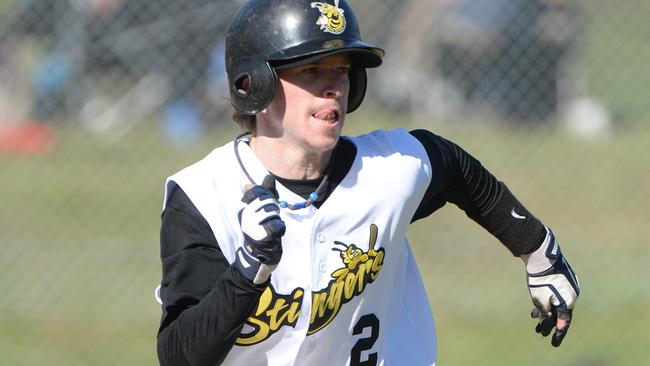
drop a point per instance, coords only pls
(79, 229)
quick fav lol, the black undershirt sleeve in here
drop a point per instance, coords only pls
(205, 300)
(459, 178)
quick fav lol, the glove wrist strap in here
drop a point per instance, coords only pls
(544, 257)
(252, 268)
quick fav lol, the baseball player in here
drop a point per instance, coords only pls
(287, 246)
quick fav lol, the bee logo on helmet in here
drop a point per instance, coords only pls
(331, 17)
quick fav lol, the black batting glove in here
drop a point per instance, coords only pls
(554, 289)
(263, 230)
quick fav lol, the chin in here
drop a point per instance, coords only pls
(324, 142)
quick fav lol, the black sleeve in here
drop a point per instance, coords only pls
(205, 300)
(459, 178)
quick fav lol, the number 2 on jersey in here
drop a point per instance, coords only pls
(364, 344)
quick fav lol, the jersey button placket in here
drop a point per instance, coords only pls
(312, 341)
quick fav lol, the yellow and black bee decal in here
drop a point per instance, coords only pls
(360, 268)
(353, 257)
(331, 17)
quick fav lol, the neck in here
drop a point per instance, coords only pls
(288, 161)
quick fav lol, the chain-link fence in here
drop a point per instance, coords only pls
(100, 100)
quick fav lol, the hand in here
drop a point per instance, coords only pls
(554, 289)
(263, 230)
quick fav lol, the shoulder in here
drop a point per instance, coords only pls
(395, 151)
(430, 140)
(439, 149)
(201, 175)
(388, 142)
(218, 158)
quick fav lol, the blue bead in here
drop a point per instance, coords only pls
(313, 196)
(282, 204)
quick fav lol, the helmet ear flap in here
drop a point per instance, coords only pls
(358, 84)
(252, 86)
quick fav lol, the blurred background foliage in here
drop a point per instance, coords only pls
(100, 100)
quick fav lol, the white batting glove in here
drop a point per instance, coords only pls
(263, 230)
(554, 288)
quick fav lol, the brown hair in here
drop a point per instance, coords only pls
(247, 122)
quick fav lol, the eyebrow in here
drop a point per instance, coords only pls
(322, 62)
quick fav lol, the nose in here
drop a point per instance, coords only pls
(335, 85)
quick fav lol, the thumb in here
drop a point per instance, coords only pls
(269, 183)
(266, 190)
(275, 227)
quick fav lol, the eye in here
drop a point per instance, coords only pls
(343, 70)
(311, 70)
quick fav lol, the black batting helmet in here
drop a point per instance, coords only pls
(266, 34)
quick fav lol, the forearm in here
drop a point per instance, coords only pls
(203, 334)
(459, 178)
(205, 300)
(510, 222)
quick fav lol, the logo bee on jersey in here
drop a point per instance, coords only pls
(331, 17)
(353, 256)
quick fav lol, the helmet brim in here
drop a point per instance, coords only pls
(362, 54)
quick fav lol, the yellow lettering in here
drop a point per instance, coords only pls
(261, 334)
(318, 305)
(294, 310)
(349, 285)
(264, 302)
(275, 319)
(334, 298)
(275, 310)
(377, 265)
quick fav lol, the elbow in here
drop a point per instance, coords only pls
(175, 351)
(170, 352)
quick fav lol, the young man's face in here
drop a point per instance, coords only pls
(309, 104)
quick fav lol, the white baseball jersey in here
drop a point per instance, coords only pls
(347, 290)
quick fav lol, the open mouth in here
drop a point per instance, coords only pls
(326, 116)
